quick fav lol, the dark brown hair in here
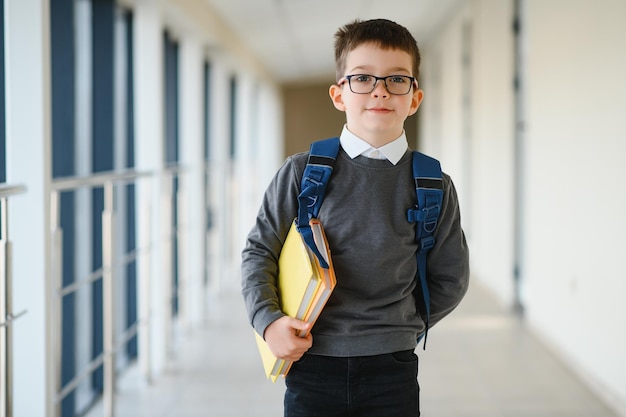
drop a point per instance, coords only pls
(382, 32)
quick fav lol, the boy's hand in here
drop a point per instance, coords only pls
(282, 340)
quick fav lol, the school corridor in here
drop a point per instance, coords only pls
(137, 138)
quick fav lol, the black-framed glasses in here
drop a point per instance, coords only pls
(365, 83)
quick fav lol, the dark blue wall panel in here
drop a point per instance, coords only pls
(170, 48)
(103, 19)
(63, 156)
(131, 269)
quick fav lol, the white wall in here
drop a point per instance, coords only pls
(573, 174)
(218, 170)
(28, 159)
(474, 141)
(192, 237)
(575, 205)
(492, 189)
(149, 157)
(259, 144)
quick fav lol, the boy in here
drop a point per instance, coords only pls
(359, 358)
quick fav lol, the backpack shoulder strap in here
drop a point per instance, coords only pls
(429, 190)
(315, 178)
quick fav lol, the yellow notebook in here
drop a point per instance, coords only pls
(303, 287)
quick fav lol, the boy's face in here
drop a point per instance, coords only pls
(377, 117)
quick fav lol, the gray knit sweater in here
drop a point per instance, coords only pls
(372, 309)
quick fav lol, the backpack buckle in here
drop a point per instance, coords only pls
(428, 215)
(310, 190)
(412, 215)
(426, 243)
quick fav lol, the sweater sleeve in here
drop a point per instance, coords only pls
(259, 268)
(448, 260)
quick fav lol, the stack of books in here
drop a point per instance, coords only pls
(304, 286)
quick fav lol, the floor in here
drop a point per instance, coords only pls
(480, 362)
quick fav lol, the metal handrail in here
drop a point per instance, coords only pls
(8, 190)
(6, 309)
(76, 285)
(107, 181)
(95, 275)
(10, 318)
(114, 342)
(97, 180)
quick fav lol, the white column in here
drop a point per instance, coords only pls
(192, 183)
(261, 152)
(29, 163)
(244, 173)
(83, 236)
(148, 68)
(270, 135)
(218, 171)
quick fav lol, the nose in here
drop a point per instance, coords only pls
(380, 84)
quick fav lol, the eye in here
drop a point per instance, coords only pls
(398, 79)
(362, 78)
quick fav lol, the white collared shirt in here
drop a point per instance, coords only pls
(355, 146)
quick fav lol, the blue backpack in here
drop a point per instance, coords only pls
(429, 190)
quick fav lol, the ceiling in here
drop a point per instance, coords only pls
(294, 38)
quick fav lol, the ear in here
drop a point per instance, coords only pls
(336, 95)
(418, 96)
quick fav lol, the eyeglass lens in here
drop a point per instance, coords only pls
(364, 84)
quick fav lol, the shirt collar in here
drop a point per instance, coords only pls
(355, 146)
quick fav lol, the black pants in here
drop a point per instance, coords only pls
(381, 385)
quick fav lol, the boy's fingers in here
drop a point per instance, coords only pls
(299, 324)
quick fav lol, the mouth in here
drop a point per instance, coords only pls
(379, 110)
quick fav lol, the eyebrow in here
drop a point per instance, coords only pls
(392, 70)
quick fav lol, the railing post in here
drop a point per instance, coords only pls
(183, 290)
(56, 392)
(6, 384)
(167, 264)
(108, 292)
(54, 318)
(145, 296)
(7, 317)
